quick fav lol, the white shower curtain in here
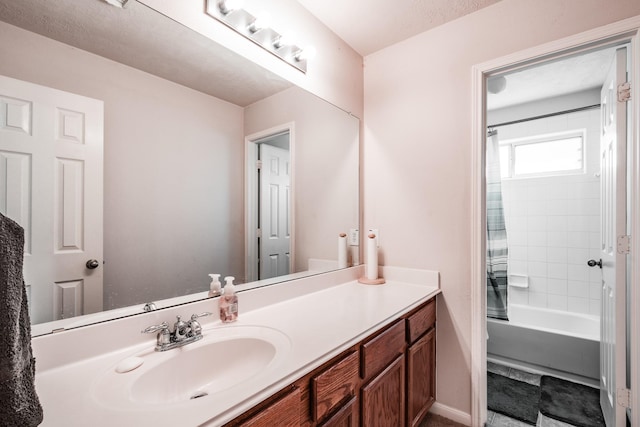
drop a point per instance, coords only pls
(497, 251)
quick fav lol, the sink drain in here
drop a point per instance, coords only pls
(199, 395)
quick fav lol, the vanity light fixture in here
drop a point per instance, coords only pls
(259, 31)
(117, 3)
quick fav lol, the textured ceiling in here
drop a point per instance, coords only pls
(142, 38)
(370, 25)
(568, 75)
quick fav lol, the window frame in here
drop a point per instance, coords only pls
(541, 138)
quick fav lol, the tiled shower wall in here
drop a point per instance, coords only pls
(553, 224)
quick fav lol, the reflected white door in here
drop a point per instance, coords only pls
(613, 228)
(51, 184)
(275, 196)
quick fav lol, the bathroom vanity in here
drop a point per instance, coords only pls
(371, 383)
(319, 351)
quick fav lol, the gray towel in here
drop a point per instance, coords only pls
(19, 404)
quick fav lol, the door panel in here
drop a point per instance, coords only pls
(275, 185)
(613, 144)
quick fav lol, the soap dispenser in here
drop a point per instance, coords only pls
(229, 301)
(215, 288)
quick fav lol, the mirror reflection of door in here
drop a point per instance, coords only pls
(274, 202)
(51, 145)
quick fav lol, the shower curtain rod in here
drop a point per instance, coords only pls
(544, 116)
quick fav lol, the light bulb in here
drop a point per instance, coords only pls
(228, 6)
(286, 38)
(306, 54)
(260, 23)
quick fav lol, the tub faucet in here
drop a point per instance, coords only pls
(183, 332)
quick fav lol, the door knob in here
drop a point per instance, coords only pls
(593, 263)
(92, 264)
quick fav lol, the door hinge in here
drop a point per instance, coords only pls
(258, 164)
(624, 244)
(259, 233)
(624, 92)
(624, 397)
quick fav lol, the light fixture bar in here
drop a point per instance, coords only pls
(257, 30)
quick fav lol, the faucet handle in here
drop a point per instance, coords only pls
(194, 325)
(197, 316)
(156, 328)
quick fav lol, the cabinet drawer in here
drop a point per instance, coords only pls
(378, 352)
(284, 412)
(334, 385)
(420, 321)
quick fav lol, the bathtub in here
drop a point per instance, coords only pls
(549, 341)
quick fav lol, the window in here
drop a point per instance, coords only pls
(559, 154)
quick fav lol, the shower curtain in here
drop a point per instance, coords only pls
(497, 251)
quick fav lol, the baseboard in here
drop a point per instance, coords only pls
(451, 413)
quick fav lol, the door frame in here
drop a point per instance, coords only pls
(251, 190)
(628, 31)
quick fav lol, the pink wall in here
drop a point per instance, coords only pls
(417, 154)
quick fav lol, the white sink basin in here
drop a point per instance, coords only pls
(226, 357)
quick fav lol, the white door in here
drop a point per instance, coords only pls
(275, 186)
(613, 229)
(51, 184)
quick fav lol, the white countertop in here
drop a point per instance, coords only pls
(319, 324)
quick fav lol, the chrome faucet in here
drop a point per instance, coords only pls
(183, 332)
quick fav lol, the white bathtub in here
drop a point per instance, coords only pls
(547, 340)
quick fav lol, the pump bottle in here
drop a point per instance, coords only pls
(229, 301)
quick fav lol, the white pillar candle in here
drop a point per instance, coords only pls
(372, 257)
(342, 250)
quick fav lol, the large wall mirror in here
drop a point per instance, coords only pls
(128, 144)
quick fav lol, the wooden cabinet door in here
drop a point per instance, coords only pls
(347, 416)
(383, 399)
(421, 377)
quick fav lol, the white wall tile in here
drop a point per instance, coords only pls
(537, 238)
(578, 256)
(578, 288)
(517, 252)
(518, 296)
(557, 302)
(595, 275)
(557, 286)
(594, 307)
(517, 267)
(536, 207)
(537, 300)
(558, 207)
(537, 223)
(538, 285)
(557, 271)
(578, 223)
(558, 255)
(518, 238)
(557, 223)
(578, 272)
(578, 305)
(557, 239)
(595, 291)
(538, 269)
(577, 239)
(537, 253)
